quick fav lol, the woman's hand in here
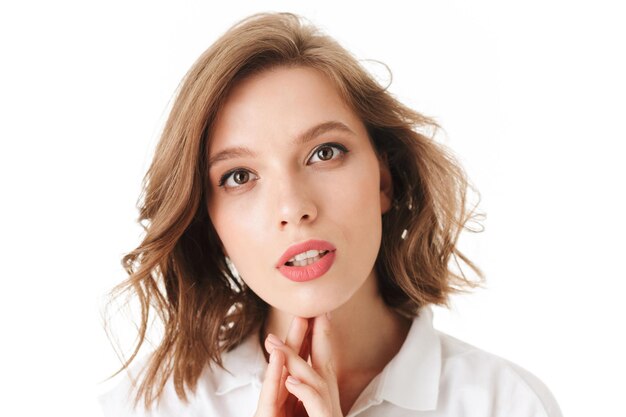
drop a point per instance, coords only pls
(315, 384)
(275, 400)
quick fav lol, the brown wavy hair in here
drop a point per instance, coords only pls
(179, 270)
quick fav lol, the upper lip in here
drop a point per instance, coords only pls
(293, 250)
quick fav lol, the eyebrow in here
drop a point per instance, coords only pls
(306, 136)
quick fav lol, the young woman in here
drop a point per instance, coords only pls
(299, 222)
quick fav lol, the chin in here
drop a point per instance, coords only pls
(307, 313)
(304, 311)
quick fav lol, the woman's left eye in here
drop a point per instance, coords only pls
(328, 151)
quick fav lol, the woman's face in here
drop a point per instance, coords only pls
(289, 163)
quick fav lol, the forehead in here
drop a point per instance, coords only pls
(280, 102)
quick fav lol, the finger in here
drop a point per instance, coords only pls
(298, 367)
(321, 347)
(296, 334)
(268, 399)
(322, 356)
(270, 347)
(298, 337)
(314, 403)
(282, 393)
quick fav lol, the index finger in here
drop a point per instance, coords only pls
(296, 334)
(296, 339)
(269, 399)
(321, 350)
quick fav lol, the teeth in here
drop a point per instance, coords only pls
(308, 254)
(307, 258)
(307, 261)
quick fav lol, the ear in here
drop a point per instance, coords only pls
(386, 185)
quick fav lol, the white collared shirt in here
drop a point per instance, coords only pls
(432, 375)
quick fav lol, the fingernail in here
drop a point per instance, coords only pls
(293, 380)
(274, 340)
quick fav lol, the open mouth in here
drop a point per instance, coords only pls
(306, 258)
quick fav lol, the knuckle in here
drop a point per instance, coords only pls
(322, 387)
(330, 368)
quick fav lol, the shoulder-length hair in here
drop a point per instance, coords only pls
(179, 270)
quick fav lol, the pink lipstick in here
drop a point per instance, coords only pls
(307, 272)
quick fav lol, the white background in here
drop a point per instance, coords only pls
(531, 97)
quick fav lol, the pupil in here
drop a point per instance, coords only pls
(241, 177)
(325, 153)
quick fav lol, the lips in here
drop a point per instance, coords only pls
(307, 272)
(320, 245)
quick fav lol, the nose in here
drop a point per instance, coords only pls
(296, 203)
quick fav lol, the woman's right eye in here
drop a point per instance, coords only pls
(236, 178)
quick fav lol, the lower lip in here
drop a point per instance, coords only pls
(309, 272)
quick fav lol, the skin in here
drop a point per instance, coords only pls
(279, 193)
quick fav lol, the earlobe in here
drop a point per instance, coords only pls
(386, 185)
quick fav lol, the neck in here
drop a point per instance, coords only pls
(366, 335)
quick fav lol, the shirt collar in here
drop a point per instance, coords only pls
(410, 380)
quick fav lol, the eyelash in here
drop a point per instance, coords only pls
(342, 150)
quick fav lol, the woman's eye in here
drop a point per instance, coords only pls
(239, 177)
(328, 151)
(236, 178)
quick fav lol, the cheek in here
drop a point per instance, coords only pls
(354, 204)
(361, 193)
(235, 225)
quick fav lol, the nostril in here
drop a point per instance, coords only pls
(295, 220)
